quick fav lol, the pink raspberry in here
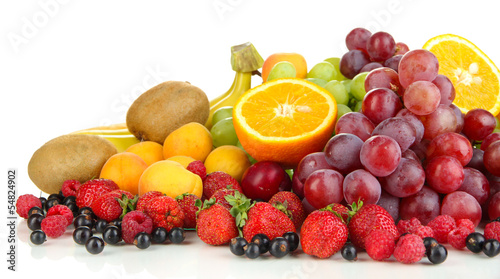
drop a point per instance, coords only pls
(442, 225)
(379, 244)
(70, 187)
(54, 226)
(63, 210)
(407, 226)
(197, 167)
(424, 231)
(466, 223)
(492, 230)
(457, 236)
(135, 222)
(25, 202)
(409, 249)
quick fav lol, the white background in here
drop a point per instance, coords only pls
(70, 65)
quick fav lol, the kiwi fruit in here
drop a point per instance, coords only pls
(73, 156)
(164, 108)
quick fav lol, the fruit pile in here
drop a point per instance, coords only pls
(366, 152)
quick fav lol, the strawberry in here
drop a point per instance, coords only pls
(340, 210)
(366, 218)
(113, 205)
(264, 218)
(220, 197)
(92, 189)
(165, 212)
(219, 180)
(187, 203)
(289, 202)
(215, 225)
(323, 234)
(146, 198)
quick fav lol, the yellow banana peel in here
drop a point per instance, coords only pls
(117, 134)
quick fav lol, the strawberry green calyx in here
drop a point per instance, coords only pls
(127, 204)
(240, 206)
(283, 207)
(204, 205)
(355, 207)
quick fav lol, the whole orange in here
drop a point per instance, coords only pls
(296, 59)
(125, 169)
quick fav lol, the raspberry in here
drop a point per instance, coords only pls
(492, 230)
(442, 225)
(25, 202)
(423, 231)
(466, 223)
(219, 180)
(54, 226)
(197, 167)
(187, 203)
(457, 236)
(135, 222)
(409, 249)
(407, 226)
(146, 198)
(63, 210)
(379, 244)
(70, 187)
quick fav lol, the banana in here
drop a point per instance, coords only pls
(117, 134)
(244, 60)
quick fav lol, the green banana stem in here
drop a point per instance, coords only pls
(241, 83)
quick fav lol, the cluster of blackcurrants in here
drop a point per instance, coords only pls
(477, 243)
(261, 244)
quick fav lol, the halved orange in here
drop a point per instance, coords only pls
(474, 75)
(283, 120)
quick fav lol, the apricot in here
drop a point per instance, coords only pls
(296, 59)
(125, 169)
(193, 140)
(150, 151)
(170, 178)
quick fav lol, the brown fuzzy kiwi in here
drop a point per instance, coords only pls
(73, 156)
(166, 107)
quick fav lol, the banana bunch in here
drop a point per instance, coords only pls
(117, 134)
(244, 60)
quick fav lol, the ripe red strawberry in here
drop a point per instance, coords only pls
(339, 210)
(220, 197)
(133, 223)
(70, 187)
(215, 225)
(219, 180)
(165, 212)
(289, 202)
(25, 202)
(92, 189)
(267, 219)
(367, 218)
(113, 205)
(63, 210)
(323, 234)
(187, 203)
(146, 198)
(380, 244)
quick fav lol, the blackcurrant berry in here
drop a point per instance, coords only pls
(83, 220)
(86, 210)
(59, 197)
(35, 221)
(112, 235)
(35, 209)
(176, 235)
(437, 253)
(142, 240)
(116, 222)
(279, 247)
(51, 202)
(100, 225)
(68, 200)
(349, 252)
(252, 250)
(262, 241)
(159, 235)
(38, 237)
(82, 234)
(491, 247)
(237, 246)
(475, 242)
(43, 201)
(94, 245)
(429, 242)
(74, 208)
(293, 240)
